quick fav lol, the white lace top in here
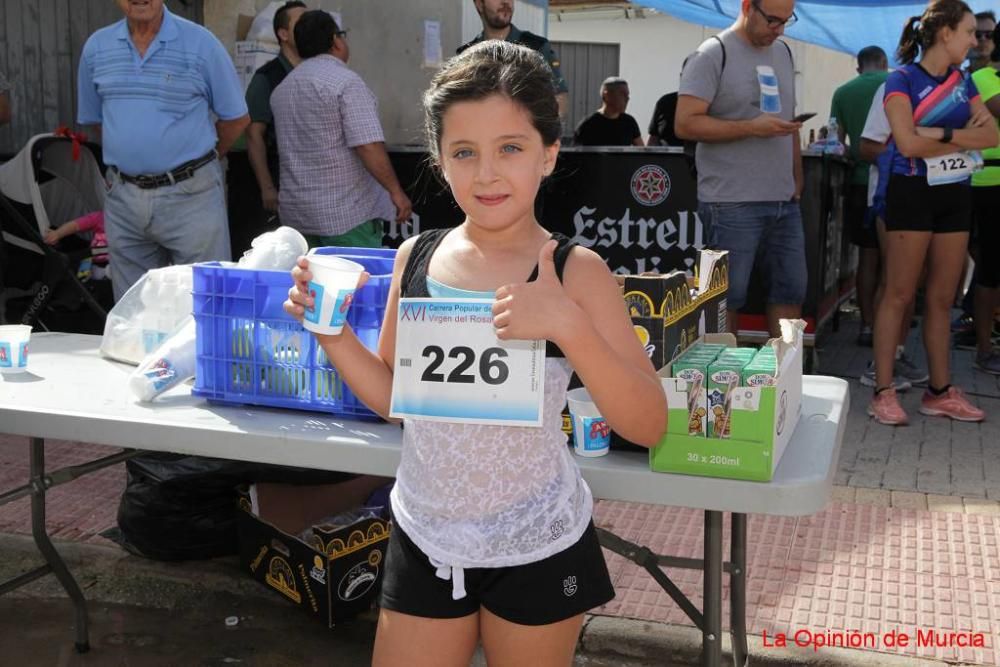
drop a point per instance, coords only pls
(473, 495)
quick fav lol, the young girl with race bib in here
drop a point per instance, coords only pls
(937, 118)
(493, 539)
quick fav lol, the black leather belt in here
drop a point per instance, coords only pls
(181, 173)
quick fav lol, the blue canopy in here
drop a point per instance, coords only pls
(842, 25)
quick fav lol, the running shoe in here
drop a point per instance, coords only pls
(908, 370)
(952, 404)
(868, 379)
(962, 323)
(885, 408)
(988, 363)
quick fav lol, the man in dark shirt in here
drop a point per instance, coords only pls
(661, 125)
(610, 125)
(262, 144)
(496, 16)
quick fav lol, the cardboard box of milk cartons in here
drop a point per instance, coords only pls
(761, 420)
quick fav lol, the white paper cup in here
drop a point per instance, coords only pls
(332, 289)
(591, 433)
(14, 348)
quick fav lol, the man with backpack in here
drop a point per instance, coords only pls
(737, 99)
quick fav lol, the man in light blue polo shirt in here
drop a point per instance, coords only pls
(166, 102)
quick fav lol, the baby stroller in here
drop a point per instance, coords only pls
(53, 179)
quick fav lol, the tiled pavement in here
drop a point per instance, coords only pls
(932, 455)
(899, 548)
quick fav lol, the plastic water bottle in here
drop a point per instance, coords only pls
(152, 328)
(833, 145)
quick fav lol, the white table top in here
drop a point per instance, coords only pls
(72, 393)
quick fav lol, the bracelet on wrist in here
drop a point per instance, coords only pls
(947, 135)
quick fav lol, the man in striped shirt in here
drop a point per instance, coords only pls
(337, 184)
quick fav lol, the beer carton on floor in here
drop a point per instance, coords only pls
(333, 576)
(761, 419)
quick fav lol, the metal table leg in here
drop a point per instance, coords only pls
(39, 482)
(52, 557)
(738, 589)
(711, 633)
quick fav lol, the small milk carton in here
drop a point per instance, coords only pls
(724, 375)
(762, 371)
(693, 369)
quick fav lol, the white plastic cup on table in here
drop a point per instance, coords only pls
(14, 348)
(332, 288)
(591, 433)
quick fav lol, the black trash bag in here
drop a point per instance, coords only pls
(178, 507)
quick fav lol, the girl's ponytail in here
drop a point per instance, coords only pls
(910, 42)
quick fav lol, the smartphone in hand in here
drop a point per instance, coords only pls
(803, 117)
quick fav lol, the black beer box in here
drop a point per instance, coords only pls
(667, 319)
(707, 312)
(334, 578)
(654, 302)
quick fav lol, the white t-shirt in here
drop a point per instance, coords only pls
(876, 129)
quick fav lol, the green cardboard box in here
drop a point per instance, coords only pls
(762, 420)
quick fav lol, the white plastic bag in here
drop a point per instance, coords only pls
(262, 28)
(277, 250)
(173, 361)
(147, 314)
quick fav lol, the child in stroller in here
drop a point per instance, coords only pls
(94, 267)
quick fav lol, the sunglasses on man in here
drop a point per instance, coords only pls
(775, 21)
(984, 34)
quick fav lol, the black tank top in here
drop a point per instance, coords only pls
(414, 280)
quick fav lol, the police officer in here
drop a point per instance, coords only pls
(496, 16)
(262, 144)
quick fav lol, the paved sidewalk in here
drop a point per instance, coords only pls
(861, 565)
(933, 455)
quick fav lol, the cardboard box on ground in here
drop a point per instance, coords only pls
(670, 312)
(759, 418)
(333, 574)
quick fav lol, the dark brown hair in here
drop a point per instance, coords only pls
(920, 32)
(490, 68)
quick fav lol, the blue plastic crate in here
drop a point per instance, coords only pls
(249, 351)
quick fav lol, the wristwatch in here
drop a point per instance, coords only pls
(946, 137)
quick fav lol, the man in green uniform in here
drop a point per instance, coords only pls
(850, 107)
(496, 16)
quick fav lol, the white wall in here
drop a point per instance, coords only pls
(653, 49)
(386, 39)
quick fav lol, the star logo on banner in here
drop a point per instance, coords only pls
(650, 185)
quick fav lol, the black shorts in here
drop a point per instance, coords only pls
(561, 586)
(914, 206)
(986, 202)
(863, 233)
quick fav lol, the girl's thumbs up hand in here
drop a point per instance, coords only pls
(540, 309)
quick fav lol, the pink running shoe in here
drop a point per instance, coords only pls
(953, 404)
(885, 408)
